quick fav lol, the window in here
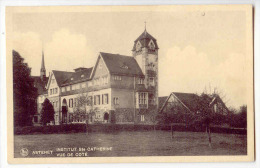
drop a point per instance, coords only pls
(124, 66)
(142, 117)
(53, 81)
(73, 87)
(56, 90)
(35, 118)
(151, 81)
(68, 88)
(116, 100)
(106, 80)
(97, 100)
(140, 80)
(83, 85)
(116, 77)
(215, 108)
(105, 99)
(98, 115)
(63, 89)
(89, 101)
(151, 45)
(142, 98)
(98, 81)
(82, 76)
(70, 118)
(138, 46)
(56, 103)
(100, 65)
(56, 118)
(51, 92)
(77, 86)
(70, 102)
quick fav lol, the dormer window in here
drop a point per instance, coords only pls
(82, 76)
(124, 66)
(138, 46)
(151, 45)
(71, 79)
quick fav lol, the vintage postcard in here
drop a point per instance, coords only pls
(108, 84)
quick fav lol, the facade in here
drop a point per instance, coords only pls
(117, 89)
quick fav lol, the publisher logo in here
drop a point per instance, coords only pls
(24, 152)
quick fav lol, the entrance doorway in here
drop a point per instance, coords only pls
(64, 111)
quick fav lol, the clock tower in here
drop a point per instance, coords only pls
(145, 51)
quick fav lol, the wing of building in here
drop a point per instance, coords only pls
(118, 88)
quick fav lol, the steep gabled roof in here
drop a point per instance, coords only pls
(216, 98)
(61, 76)
(121, 65)
(64, 78)
(78, 76)
(190, 100)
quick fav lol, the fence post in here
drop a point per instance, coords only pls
(172, 131)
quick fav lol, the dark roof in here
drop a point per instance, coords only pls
(40, 84)
(121, 65)
(64, 78)
(144, 39)
(78, 76)
(80, 69)
(161, 101)
(188, 99)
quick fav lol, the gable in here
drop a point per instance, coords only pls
(100, 68)
(52, 82)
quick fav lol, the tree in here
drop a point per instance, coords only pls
(243, 116)
(238, 118)
(47, 112)
(83, 100)
(205, 113)
(24, 92)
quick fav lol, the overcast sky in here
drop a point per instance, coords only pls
(198, 50)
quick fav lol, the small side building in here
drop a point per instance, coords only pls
(185, 105)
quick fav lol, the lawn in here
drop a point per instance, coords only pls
(131, 143)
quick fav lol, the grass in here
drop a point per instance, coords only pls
(135, 143)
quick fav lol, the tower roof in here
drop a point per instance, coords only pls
(144, 39)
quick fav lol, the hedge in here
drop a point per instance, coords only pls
(74, 128)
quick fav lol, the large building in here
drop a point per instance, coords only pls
(117, 89)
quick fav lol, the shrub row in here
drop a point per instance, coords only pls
(74, 128)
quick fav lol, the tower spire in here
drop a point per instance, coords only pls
(145, 27)
(43, 70)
